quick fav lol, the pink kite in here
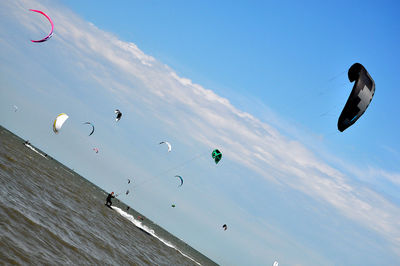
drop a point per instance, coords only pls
(52, 26)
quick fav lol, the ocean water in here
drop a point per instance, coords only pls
(51, 215)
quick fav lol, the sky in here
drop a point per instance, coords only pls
(264, 82)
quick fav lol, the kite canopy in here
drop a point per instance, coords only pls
(59, 121)
(173, 205)
(15, 108)
(88, 123)
(52, 26)
(217, 155)
(225, 227)
(181, 179)
(129, 180)
(168, 144)
(119, 115)
(96, 150)
(275, 263)
(360, 97)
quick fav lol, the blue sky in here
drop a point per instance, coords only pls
(262, 81)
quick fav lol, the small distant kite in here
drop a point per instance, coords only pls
(15, 108)
(96, 150)
(59, 121)
(360, 97)
(168, 144)
(88, 123)
(181, 179)
(216, 155)
(275, 263)
(129, 181)
(52, 27)
(173, 205)
(119, 115)
(225, 227)
(127, 192)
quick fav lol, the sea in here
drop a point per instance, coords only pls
(51, 215)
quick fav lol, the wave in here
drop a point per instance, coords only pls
(150, 231)
(35, 150)
(68, 171)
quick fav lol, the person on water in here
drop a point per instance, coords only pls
(108, 200)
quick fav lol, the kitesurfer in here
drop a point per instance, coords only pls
(108, 200)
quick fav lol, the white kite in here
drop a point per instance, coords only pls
(59, 121)
(169, 145)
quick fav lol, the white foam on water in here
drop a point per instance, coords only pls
(35, 150)
(139, 224)
(68, 171)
